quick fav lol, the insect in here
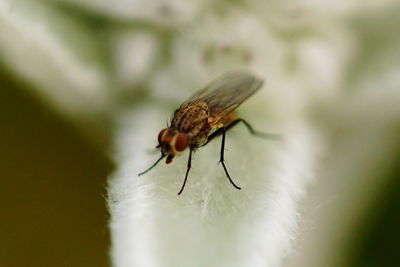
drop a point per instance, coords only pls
(209, 113)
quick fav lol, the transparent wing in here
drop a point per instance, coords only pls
(227, 92)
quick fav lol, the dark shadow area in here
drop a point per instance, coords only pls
(376, 243)
(53, 211)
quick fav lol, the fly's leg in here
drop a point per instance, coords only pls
(257, 133)
(187, 171)
(219, 131)
(223, 130)
(222, 158)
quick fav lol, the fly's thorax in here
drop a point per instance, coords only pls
(172, 142)
(191, 118)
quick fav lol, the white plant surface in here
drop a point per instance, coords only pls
(211, 223)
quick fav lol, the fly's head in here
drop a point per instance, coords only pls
(171, 143)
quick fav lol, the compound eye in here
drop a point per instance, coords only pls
(161, 135)
(181, 142)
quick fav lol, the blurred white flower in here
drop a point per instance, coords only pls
(159, 12)
(55, 54)
(135, 56)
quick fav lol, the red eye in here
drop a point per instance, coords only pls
(181, 142)
(161, 135)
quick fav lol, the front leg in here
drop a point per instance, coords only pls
(189, 165)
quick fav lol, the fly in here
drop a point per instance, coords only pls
(209, 113)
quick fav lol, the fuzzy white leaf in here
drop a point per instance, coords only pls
(211, 223)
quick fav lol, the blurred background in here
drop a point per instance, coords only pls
(68, 68)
